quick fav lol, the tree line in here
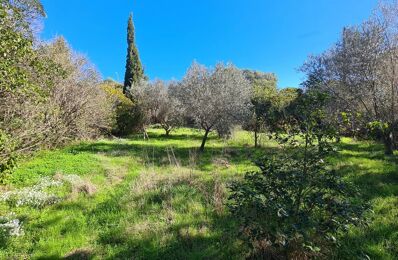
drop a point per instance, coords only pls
(359, 73)
(50, 95)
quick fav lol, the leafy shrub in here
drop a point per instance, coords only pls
(125, 118)
(295, 207)
(291, 206)
(49, 95)
(24, 84)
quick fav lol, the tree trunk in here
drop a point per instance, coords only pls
(320, 146)
(146, 137)
(388, 143)
(255, 138)
(167, 128)
(202, 147)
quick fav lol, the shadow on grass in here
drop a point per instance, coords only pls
(176, 242)
(163, 155)
(376, 242)
(110, 216)
(367, 167)
(195, 135)
(376, 175)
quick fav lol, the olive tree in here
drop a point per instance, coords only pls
(169, 114)
(361, 72)
(213, 98)
(154, 105)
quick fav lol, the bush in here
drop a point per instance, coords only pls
(50, 99)
(295, 207)
(125, 115)
(24, 85)
(77, 107)
(290, 208)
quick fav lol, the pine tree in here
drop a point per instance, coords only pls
(134, 70)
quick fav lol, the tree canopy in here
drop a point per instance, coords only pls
(134, 71)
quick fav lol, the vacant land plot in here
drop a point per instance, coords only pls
(127, 198)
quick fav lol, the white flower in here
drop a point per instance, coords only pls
(33, 196)
(11, 225)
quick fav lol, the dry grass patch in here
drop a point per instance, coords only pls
(78, 184)
(151, 180)
(116, 175)
(221, 162)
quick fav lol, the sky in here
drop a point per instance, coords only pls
(265, 35)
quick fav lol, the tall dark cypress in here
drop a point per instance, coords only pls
(134, 70)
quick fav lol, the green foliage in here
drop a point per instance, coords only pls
(21, 14)
(264, 91)
(269, 103)
(20, 65)
(261, 79)
(384, 131)
(292, 208)
(295, 206)
(306, 118)
(14, 49)
(126, 116)
(352, 124)
(378, 128)
(286, 96)
(25, 78)
(271, 109)
(134, 71)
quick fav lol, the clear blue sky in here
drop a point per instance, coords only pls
(266, 35)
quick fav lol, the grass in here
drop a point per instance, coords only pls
(159, 199)
(364, 164)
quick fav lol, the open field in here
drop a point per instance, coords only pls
(160, 199)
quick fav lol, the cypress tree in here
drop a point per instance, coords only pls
(134, 70)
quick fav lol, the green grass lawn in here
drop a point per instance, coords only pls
(159, 199)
